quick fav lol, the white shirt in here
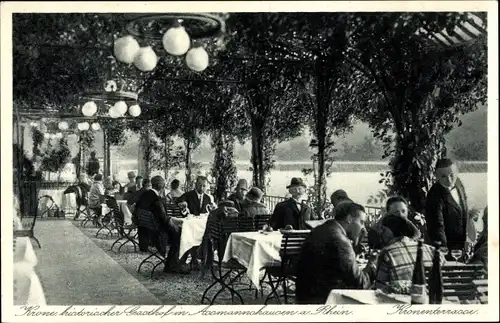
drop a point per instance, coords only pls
(298, 203)
(454, 194)
(157, 193)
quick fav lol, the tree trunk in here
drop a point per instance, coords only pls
(166, 152)
(187, 164)
(144, 159)
(257, 155)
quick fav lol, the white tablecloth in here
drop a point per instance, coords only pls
(193, 228)
(254, 251)
(122, 204)
(27, 287)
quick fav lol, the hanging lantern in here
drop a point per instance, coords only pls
(121, 107)
(63, 125)
(146, 59)
(176, 40)
(125, 49)
(113, 112)
(89, 109)
(83, 126)
(197, 59)
(59, 135)
(46, 135)
(95, 126)
(134, 110)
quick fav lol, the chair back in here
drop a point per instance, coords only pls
(261, 220)
(459, 279)
(291, 245)
(245, 224)
(146, 220)
(173, 210)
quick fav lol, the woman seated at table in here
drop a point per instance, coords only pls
(396, 260)
(96, 195)
(175, 192)
(480, 250)
(378, 234)
(251, 205)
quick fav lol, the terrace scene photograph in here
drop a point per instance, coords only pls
(250, 158)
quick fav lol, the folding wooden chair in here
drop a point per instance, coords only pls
(29, 232)
(173, 210)
(107, 221)
(458, 281)
(219, 234)
(291, 244)
(126, 233)
(261, 220)
(157, 240)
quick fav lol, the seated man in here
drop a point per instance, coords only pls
(378, 235)
(327, 260)
(292, 211)
(150, 201)
(396, 260)
(251, 205)
(198, 200)
(96, 195)
(480, 250)
(133, 197)
(338, 197)
(239, 195)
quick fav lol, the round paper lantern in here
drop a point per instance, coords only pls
(82, 126)
(59, 135)
(95, 126)
(121, 107)
(46, 135)
(197, 59)
(176, 41)
(134, 110)
(89, 109)
(63, 125)
(114, 113)
(146, 59)
(125, 49)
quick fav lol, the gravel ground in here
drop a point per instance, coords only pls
(171, 289)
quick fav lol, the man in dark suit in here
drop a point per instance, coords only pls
(197, 200)
(150, 201)
(293, 211)
(239, 195)
(446, 210)
(327, 260)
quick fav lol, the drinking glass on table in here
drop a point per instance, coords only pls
(456, 254)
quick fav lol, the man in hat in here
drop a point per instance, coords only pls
(293, 211)
(239, 195)
(446, 211)
(251, 205)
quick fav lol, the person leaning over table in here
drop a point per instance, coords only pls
(251, 205)
(327, 260)
(480, 250)
(397, 258)
(292, 211)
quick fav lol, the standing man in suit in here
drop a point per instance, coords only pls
(446, 210)
(197, 200)
(294, 211)
(150, 201)
(327, 260)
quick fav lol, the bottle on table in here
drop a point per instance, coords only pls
(418, 286)
(436, 288)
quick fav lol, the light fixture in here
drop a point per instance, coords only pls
(46, 135)
(83, 126)
(146, 59)
(197, 59)
(134, 110)
(113, 112)
(95, 126)
(176, 40)
(120, 107)
(59, 135)
(125, 49)
(89, 109)
(63, 125)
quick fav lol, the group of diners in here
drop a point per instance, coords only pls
(329, 258)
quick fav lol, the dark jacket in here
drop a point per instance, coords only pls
(237, 201)
(93, 167)
(446, 220)
(480, 255)
(251, 208)
(150, 201)
(81, 190)
(287, 213)
(133, 197)
(327, 261)
(193, 202)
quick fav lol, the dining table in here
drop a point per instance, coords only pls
(254, 251)
(124, 208)
(193, 229)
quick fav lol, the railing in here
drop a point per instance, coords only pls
(30, 193)
(270, 201)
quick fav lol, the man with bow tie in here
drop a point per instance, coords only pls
(446, 211)
(293, 211)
